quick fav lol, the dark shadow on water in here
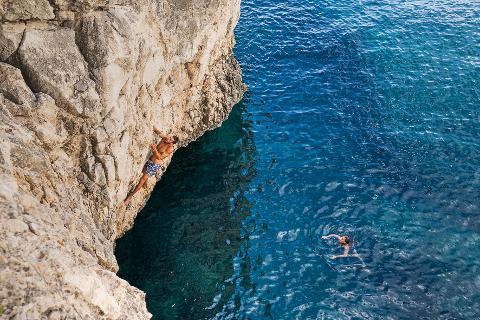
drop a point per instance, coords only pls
(181, 248)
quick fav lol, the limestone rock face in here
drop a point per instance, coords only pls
(14, 10)
(82, 83)
(10, 36)
(54, 65)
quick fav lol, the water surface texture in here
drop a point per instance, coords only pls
(362, 118)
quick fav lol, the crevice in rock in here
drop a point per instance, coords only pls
(15, 61)
(54, 7)
(88, 64)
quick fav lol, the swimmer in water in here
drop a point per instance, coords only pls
(344, 241)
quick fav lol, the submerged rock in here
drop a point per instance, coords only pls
(82, 83)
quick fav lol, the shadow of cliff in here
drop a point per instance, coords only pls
(182, 246)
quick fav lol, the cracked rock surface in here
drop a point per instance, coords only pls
(82, 83)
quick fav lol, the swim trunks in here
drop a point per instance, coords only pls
(152, 168)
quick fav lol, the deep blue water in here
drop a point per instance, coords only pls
(362, 118)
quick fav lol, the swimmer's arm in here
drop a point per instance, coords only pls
(157, 131)
(331, 235)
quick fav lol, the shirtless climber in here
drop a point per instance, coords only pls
(160, 151)
(344, 241)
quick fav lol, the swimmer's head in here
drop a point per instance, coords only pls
(344, 240)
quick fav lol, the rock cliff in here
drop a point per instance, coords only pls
(82, 82)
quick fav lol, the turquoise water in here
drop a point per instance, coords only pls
(362, 118)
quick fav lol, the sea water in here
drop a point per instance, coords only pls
(361, 118)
